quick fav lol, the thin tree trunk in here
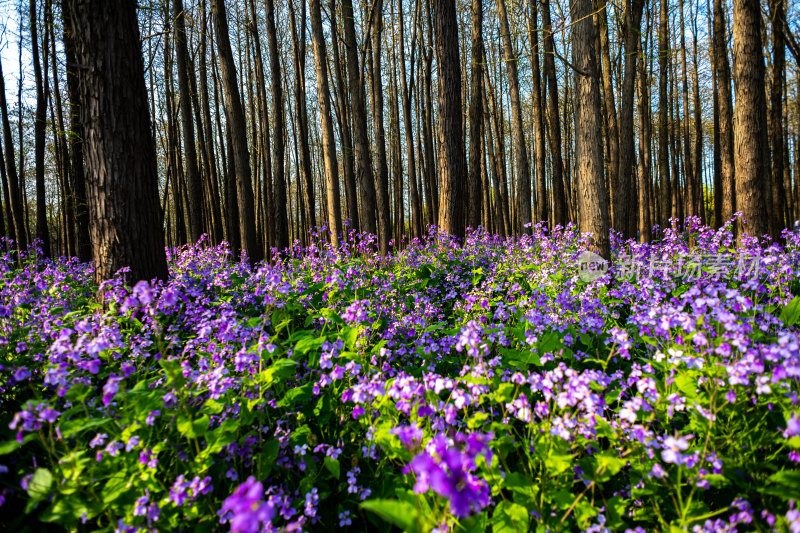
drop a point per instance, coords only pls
(328, 139)
(382, 175)
(560, 212)
(238, 134)
(777, 14)
(722, 68)
(13, 194)
(645, 139)
(624, 192)
(475, 196)
(665, 187)
(542, 203)
(523, 189)
(406, 94)
(612, 136)
(299, 55)
(42, 229)
(194, 185)
(366, 179)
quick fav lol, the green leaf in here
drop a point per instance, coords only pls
(790, 314)
(401, 514)
(193, 428)
(269, 454)
(10, 446)
(332, 465)
(687, 385)
(298, 395)
(277, 372)
(115, 487)
(510, 517)
(39, 486)
(71, 427)
(307, 344)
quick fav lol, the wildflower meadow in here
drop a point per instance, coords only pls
(478, 386)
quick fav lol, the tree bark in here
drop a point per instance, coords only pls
(406, 89)
(665, 188)
(382, 176)
(193, 183)
(588, 151)
(523, 214)
(13, 195)
(42, 229)
(328, 139)
(451, 135)
(624, 214)
(612, 133)
(560, 213)
(126, 220)
(777, 14)
(722, 68)
(299, 55)
(751, 118)
(83, 240)
(366, 179)
(542, 203)
(475, 196)
(238, 134)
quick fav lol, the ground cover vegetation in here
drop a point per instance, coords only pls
(446, 387)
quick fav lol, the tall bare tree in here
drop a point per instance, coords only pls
(451, 135)
(752, 157)
(592, 204)
(126, 221)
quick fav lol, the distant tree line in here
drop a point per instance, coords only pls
(254, 121)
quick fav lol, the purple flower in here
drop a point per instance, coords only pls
(245, 510)
(21, 374)
(110, 389)
(672, 447)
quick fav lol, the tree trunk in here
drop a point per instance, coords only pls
(382, 176)
(645, 140)
(688, 162)
(238, 134)
(751, 118)
(612, 136)
(194, 185)
(83, 240)
(475, 195)
(13, 195)
(777, 14)
(281, 220)
(624, 192)
(588, 151)
(328, 139)
(406, 89)
(722, 68)
(665, 188)
(299, 55)
(126, 221)
(343, 117)
(42, 229)
(560, 213)
(366, 180)
(542, 203)
(523, 206)
(451, 135)
(699, 207)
